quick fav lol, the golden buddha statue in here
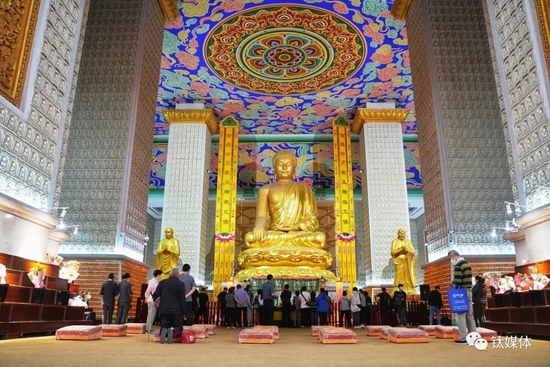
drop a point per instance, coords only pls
(403, 254)
(168, 253)
(289, 245)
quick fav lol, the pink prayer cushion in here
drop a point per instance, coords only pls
(384, 333)
(274, 329)
(176, 338)
(374, 330)
(114, 330)
(136, 328)
(444, 332)
(486, 334)
(337, 336)
(406, 335)
(79, 332)
(201, 331)
(212, 329)
(256, 336)
(430, 329)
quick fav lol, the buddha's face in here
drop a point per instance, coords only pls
(169, 233)
(401, 235)
(285, 168)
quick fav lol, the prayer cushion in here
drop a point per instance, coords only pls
(136, 328)
(256, 336)
(444, 332)
(486, 334)
(374, 330)
(335, 335)
(272, 328)
(406, 335)
(114, 330)
(79, 332)
(430, 329)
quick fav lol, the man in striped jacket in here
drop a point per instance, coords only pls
(463, 279)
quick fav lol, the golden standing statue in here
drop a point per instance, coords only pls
(402, 252)
(168, 253)
(287, 244)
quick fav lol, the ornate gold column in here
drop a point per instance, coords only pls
(343, 204)
(226, 202)
(186, 190)
(384, 186)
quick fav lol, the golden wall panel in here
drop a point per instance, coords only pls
(17, 24)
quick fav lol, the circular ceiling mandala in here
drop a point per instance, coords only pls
(285, 50)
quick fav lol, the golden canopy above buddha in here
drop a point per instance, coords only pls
(285, 240)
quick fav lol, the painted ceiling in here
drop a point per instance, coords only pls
(285, 68)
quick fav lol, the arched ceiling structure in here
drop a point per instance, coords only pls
(285, 67)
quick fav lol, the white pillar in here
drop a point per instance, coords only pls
(385, 202)
(186, 189)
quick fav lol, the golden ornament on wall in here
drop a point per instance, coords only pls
(17, 25)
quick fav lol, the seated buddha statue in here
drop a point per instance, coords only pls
(285, 240)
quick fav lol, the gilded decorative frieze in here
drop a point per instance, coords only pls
(192, 117)
(543, 15)
(400, 9)
(169, 10)
(364, 115)
(17, 23)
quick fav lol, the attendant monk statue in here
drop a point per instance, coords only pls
(285, 240)
(168, 253)
(402, 252)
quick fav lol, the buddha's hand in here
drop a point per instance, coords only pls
(259, 234)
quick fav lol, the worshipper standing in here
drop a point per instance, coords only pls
(221, 307)
(463, 279)
(330, 308)
(479, 297)
(241, 297)
(286, 294)
(231, 308)
(202, 306)
(435, 302)
(313, 308)
(345, 309)
(297, 311)
(366, 310)
(305, 298)
(172, 306)
(249, 307)
(363, 310)
(124, 299)
(190, 286)
(259, 306)
(400, 305)
(355, 302)
(151, 308)
(322, 307)
(269, 296)
(384, 305)
(109, 290)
